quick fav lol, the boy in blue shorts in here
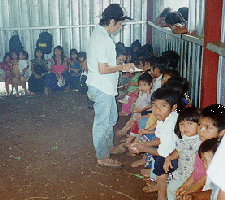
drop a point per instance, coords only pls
(164, 104)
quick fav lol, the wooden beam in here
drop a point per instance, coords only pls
(212, 33)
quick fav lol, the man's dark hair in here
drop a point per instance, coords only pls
(217, 113)
(145, 77)
(174, 18)
(187, 114)
(209, 145)
(169, 95)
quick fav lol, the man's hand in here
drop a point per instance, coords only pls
(129, 67)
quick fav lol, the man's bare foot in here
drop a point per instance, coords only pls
(139, 162)
(130, 153)
(146, 172)
(150, 187)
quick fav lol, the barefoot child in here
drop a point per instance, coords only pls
(164, 104)
(206, 152)
(211, 125)
(6, 65)
(22, 67)
(186, 149)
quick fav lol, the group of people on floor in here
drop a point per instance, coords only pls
(63, 72)
(177, 141)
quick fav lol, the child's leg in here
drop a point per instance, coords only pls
(161, 185)
(7, 85)
(139, 162)
(173, 187)
(17, 92)
(126, 128)
(24, 87)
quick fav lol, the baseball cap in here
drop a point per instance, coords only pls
(114, 11)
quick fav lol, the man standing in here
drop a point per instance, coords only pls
(102, 82)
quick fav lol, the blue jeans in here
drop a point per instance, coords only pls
(105, 118)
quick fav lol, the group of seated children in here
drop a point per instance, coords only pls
(15, 65)
(177, 141)
(64, 72)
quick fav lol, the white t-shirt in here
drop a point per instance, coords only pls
(165, 132)
(22, 64)
(156, 84)
(101, 49)
(216, 170)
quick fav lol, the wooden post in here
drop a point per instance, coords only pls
(212, 33)
(149, 18)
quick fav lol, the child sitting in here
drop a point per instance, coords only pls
(164, 104)
(74, 69)
(186, 149)
(206, 151)
(6, 65)
(211, 125)
(142, 103)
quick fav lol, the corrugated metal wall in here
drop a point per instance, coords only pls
(69, 21)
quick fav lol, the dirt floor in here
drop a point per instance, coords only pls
(47, 152)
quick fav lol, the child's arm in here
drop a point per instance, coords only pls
(167, 164)
(179, 29)
(146, 131)
(33, 72)
(182, 189)
(140, 110)
(201, 195)
(197, 186)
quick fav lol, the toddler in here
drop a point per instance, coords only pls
(186, 149)
(142, 103)
(6, 65)
(75, 70)
(22, 69)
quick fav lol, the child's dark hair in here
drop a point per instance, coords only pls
(24, 53)
(121, 50)
(187, 114)
(73, 51)
(173, 73)
(146, 50)
(137, 62)
(159, 63)
(217, 113)
(169, 95)
(7, 54)
(14, 51)
(36, 50)
(172, 57)
(60, 49)
(209, 145)
(145, 77)
(174, 18)
(82, 54)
